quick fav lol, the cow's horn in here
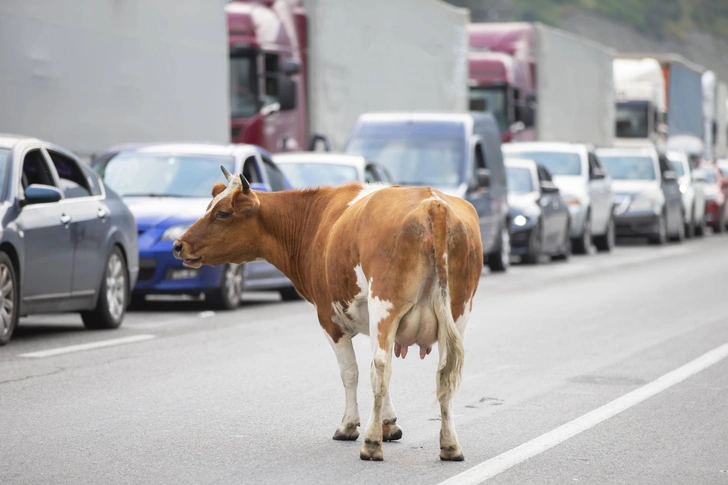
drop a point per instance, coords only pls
(227, 173)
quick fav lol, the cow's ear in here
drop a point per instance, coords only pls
(218, 188)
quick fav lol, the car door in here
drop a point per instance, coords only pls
(550, 204)
(673, 196)
(599, 191)
(481, 200)
(47, 237)
(89, 223)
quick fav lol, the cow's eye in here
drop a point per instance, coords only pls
(222, 215)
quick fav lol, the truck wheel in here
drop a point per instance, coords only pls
(499, 260)
(581, 245)
(605, 242)
(9, 299)
(230, 292)
(113, 295)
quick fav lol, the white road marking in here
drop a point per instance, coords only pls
(496, 465)
(89, 346)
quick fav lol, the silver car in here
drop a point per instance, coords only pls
(691, 188)
(584, 184)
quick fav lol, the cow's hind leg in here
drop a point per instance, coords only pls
(390, 430)
(348, 429)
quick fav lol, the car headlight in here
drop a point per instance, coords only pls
(173, 233)
(520, 220)
(684, 188)
(644, 202)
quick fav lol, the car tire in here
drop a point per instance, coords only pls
(289, 294)
(534, 245)
(113, 297)
(691, 226)
(660, 237)
(720, 227)
(9, 299)
(581, 245)
(565, 251)
(230, 293)
(605, 242)
(679, 236)
(498, 261)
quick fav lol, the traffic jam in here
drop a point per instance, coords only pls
(410, 227)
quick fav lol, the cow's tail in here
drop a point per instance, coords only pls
(450, 342)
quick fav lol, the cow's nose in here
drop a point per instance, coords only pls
(177, 247)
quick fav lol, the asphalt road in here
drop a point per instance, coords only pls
(254, 396)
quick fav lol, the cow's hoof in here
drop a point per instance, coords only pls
(347, 432)
(451, 453)
(391, 432)
(371, 450)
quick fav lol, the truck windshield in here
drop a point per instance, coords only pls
(678, 167)
(415, 160)
(627, 167)
(557, 163)
(632, 120)
(520, 180)
(243, 87)
(493, 100)
(305, 175)
(163, 175)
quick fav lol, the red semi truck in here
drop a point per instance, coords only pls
(541, 83)
(268, 74)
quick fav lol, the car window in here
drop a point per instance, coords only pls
(93, 179)
(71, 178)
(36, 170)
(250, 170)
(593, 164)
(275, 177)
(369, 176)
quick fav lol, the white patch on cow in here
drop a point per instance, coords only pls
(368, 189)
(462, 320)
(357, 320)
(219, 197)
(378, 311)
(263, 260)
(434, 197)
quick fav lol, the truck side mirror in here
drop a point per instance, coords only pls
(482, 178)
(289, 67)
(286, 92)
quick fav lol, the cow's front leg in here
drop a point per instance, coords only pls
(348, 429)
(390, 430)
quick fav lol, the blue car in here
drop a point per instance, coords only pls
(168, 187)
(67, 243)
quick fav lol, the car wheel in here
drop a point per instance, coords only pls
(289, 294)
(605, 242)
(498, 261)
(9, 299)
(581, 245)
(565, 250)
(113, 295)
(679, 236)
(660, 237)
(691, 226)
(534, 245)
(230, 292)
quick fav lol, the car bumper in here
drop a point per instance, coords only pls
(160, 272)
(520, 237)
(712, 211)
(637, 224)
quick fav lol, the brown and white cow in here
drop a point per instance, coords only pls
(400, 264)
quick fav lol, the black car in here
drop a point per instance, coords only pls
(539, 216)
(68, 243)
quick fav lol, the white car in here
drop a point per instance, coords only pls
(584, 184)
(317, 169)
(691, 188)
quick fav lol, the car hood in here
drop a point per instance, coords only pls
(169, 211)
(570, 185)
(523, 201)
(629, 187)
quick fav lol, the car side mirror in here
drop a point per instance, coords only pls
(669, 176)
(482, 178)
(42, 194)
(286, 92)
(548, 187)
(598, 174)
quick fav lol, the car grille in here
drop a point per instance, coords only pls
(147, 266)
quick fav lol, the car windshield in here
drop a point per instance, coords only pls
(557, 163)
(164, 175)
(709, 176)
(628, 167)
(306, 175)
(491, 100)
(520, 180)
(678, 167)
(415, 160)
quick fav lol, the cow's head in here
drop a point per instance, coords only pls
(227, 232)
